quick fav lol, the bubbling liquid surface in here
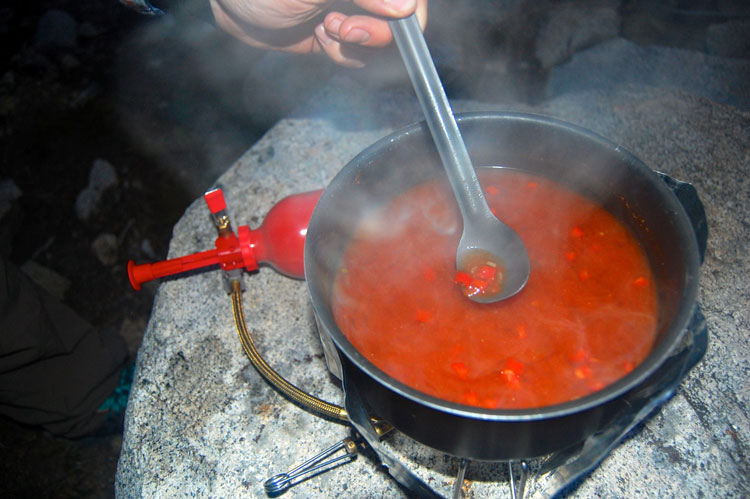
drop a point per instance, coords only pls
(586, 317)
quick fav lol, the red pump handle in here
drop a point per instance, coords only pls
(227, 253)
(279, 241)
(140, 274)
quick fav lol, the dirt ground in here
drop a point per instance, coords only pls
(142, 95)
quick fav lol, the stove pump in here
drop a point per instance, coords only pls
(279, 242)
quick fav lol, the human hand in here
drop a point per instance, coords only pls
(344, 33)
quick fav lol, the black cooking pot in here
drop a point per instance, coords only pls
(576, 158)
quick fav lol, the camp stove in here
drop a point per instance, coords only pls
(420, 470)
(416, 466)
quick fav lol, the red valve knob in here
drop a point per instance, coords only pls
(215, 201)
(279, 242)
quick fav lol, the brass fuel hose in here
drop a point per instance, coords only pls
(302, 398)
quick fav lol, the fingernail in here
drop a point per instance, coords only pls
(321, 35)
(353, 63)
(400, 6)
(356, 35)
(333, 25)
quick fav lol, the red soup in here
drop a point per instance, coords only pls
(586, 317)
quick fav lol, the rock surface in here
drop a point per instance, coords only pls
(101, 178)
(56, 28)
(619, 63)
(729, 39)
(569, 27)
(202, 422)
(104, 248)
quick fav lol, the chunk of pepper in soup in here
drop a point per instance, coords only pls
(586, 317)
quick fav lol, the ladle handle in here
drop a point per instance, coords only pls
(439, 115)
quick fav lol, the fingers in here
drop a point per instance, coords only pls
(360, 30)
(339, 52)
(388, 8)
(370, 31)
(345, 38)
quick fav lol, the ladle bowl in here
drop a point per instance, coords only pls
(482, 233)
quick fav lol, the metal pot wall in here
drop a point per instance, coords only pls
(574, 157)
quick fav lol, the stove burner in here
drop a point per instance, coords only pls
(553, 473)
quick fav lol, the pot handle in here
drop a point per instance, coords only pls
(687, 195)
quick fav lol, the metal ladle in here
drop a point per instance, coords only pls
(483, 233)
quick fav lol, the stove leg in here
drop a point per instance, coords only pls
(459, 483)
(517, 490)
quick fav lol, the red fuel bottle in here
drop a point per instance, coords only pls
(278, 242)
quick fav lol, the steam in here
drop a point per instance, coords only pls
(196, 99)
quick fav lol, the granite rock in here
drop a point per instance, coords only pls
(202, 422)
(569, 27)
(619, 63)
(102, 177)
(56, 28)
(729, 39)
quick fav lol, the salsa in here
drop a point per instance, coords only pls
(481, 273)
(586, 317)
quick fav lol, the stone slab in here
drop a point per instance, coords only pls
(201, 422)
(619, 63)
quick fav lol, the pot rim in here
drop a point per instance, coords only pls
(655, 359)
